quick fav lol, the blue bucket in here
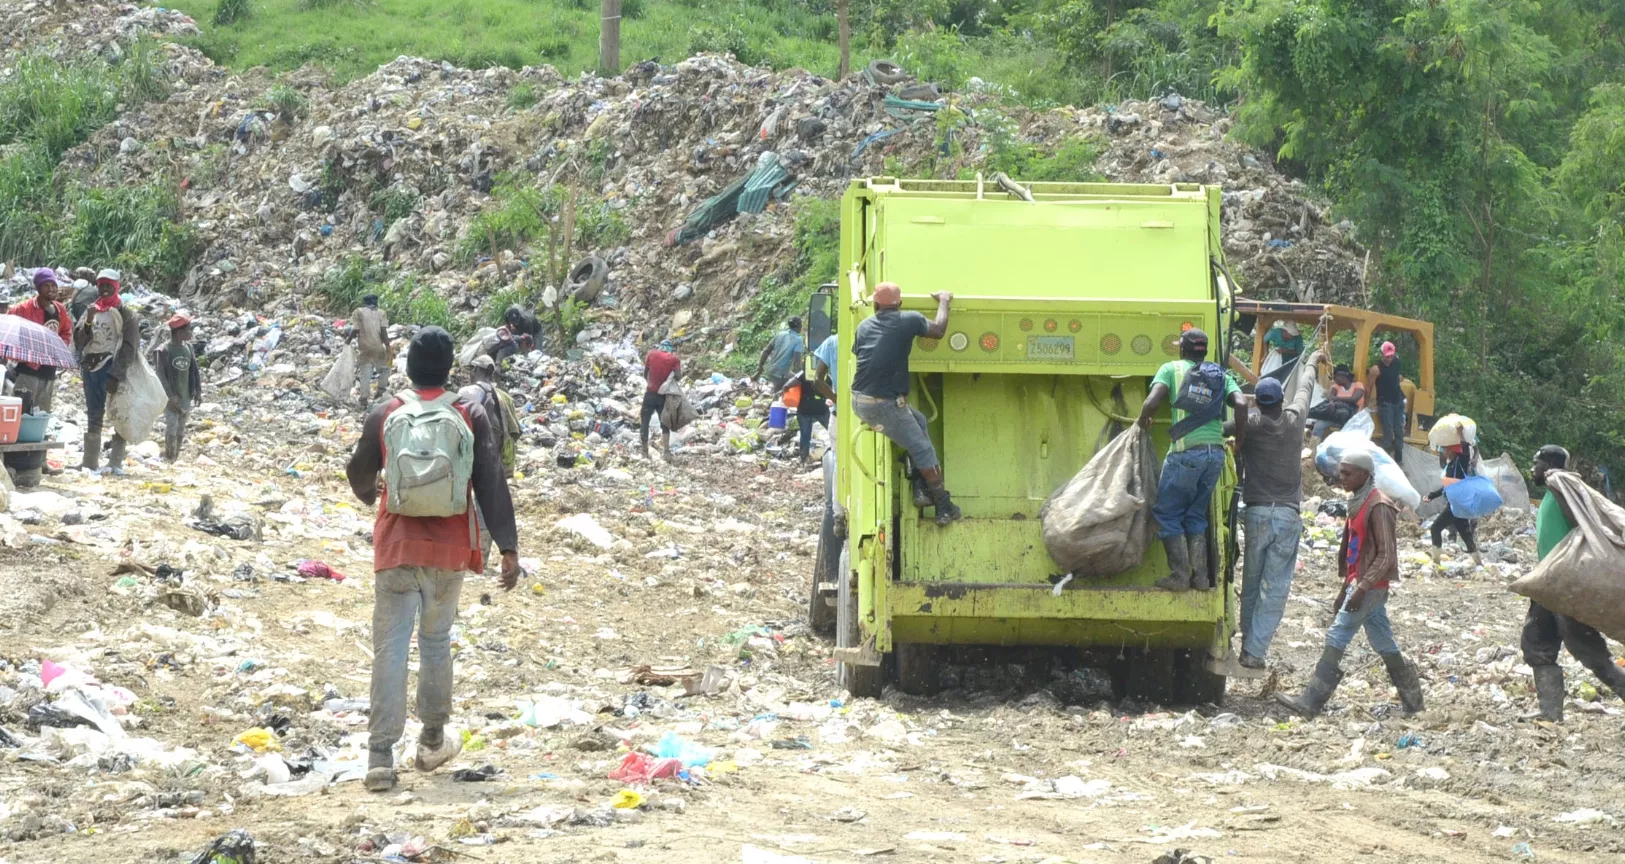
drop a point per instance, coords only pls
(778, 416)
(32, 430)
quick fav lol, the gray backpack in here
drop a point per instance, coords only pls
(428, 457)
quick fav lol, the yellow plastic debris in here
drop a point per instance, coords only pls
(626, 799)
(538, 589)
(257, 739)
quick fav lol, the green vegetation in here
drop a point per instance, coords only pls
(522, 96)
(401, 298)
(288, 103)
(781, 295)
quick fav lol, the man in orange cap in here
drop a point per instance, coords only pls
(183, 384)
(880, 388)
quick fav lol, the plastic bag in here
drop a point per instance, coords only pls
(1390, 478)
(473, 346)
(1508, 480)
(1473, 498)
(1581, 577)
(679, 412)
(1098, 523)
(341, 379)
(1451, 429)
(138, 403)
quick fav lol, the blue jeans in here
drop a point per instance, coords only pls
(1392, 415)
(1266, 573)
(804, 424)
(1186, 491)
(96, 396)
(900, 422)
(403, 598)
(1373, 616)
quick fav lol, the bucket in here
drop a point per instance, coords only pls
(11, 418)
(778, 416)
(32, 428)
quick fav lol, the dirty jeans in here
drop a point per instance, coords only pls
(804, 424)
(900, 422)
(1545, 631)
(1392, 415)
(43, 388)
(402, 597)
(1266, 572)
(174, 431)
(1373, 616)
(365, 372)
(1186, 491)
(96, 396)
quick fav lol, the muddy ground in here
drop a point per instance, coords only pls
(708, 566)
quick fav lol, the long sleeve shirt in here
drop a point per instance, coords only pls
(1272, 452)
(1377, 559)
(177, 368)
(52, 316)
(447, 543)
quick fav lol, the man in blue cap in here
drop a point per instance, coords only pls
(1272, 489)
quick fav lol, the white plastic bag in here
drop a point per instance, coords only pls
(341, 379)
(138, 403)
(472, 347)
(1356, 434)
(1508, 481)
(1449, 430)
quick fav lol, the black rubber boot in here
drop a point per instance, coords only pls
(1549, 692)
(947, 510)
(922, 492)
(116, 454)
(1199, 571)
(1179, 564)
(1328, 674)
(93, 451)
(1406, 681)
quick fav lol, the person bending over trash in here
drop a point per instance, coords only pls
(661, 364)
(108, 339)
(1272, 465)
(48, 312)
(183, 383)
(372, 341)
(1195, 458)
(436, 451)
(882, 344)
(1545, 631)
(1368, 562)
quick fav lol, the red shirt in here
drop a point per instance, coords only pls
(661, 365)
(30, 310)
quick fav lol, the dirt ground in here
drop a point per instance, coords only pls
(708, 566)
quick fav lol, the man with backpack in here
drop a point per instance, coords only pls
(1195, 456)
(440, 455)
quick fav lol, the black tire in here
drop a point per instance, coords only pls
(826, 566)
(587, 279)
(1151, 675)
(857, 680)
(885, 73)
(916, 668)
(1194, 684)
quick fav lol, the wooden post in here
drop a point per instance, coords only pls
(609, 39)
(845, 29)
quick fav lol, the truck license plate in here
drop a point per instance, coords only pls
(1049, 347)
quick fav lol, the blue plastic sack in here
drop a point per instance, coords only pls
(672, 746)
(1472, 498)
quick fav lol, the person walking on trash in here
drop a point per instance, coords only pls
(439, 456)
(1386, 383)
(372, 341)
(499, 408)
(48, 312)
(1545, 631)
(108, 339)
(1272, 489)
(817, 394)
(659, 366)
(781, 356)
(1368, 562)
(1196, 456)
(183, 383)
(882, 345)
(1461, 462)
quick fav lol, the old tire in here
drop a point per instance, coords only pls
(916, 668)
(885, 73)
(586, 279)
(857, 680)
(1151, 675)
(826, 567)
(1194, 684)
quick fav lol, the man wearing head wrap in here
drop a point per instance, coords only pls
(47, 311)
(882, 344)
(176, 366)
(1385, 382)
(658, 367)
(1368, 562)
(1199, 391)
(372, 341)
(108, 338)
(419, 562)
(1545, 631)
(1272, 489)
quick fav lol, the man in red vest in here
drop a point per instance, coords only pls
(419, 561)
(1368, 562)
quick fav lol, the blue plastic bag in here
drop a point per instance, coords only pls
(1472, 498)
(672, 746)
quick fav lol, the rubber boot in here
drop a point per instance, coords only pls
(93, 451)
(115, 455)
(1328, 674)
(922, 492)
(1199, 571)
(1434, 552)
(1406, 681)
(1179, 564)
(947, 510)
(1549, 692)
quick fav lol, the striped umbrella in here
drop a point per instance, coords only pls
(26, 342)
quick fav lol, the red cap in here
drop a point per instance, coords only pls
(179, 321)
(1388, 349)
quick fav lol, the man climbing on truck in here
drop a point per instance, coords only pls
(1367, 561)
(1195, 457)
(882, 344)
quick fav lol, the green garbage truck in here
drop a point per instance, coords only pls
(1067, 299)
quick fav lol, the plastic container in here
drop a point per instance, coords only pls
(32, 428)
(778, 416)
(11, 419)
(792, 397)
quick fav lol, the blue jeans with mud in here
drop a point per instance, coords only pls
(405, 598)
(1185, 491)
(1372, 616)
(1267, 567)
